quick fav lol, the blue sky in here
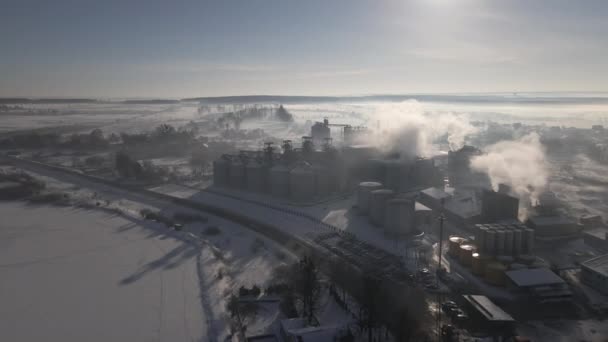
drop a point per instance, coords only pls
(212, 48)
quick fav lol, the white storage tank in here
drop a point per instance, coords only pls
(302, 182)
(220, 171)
(237, 174)
(399, 219)
(364, 195)
(279, 180)
(257, 175)
(377, 206)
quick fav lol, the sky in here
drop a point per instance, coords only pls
(181, 49)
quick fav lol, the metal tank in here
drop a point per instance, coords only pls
(454, 245)
(517, 242)
(529, 241)
(500, 242)
(302, 182)
(466, 254)
(279, 180)
(377, 206)
(509, 235)
(495, 273)
(479, 238)
(322, 180)
(237, 174)
(478, 262)
(364, 195)
(490, 242)
(399, 217)
(220, 171)
(376, 170)
(394, 174)
(257, 175)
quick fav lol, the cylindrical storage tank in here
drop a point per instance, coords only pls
(377, 206)
(517, 242)
(500, 242)
(490, 242)
(477, 264)
(399, 218)
(526, 259)
(220, 171)
(279, 180)
(256, 177)
(516, 266)
(376, 170)
(466, 253)
(322, 181)
(237, 174)
(364, 195)
(302, 183)
(509, 242)
(394, 174)
(479, 238)
(495, 273)
(454, 245)
(505, 259)
(529, 241)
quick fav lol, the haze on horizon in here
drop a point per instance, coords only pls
(213, 48)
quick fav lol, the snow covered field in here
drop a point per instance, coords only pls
(76, 275)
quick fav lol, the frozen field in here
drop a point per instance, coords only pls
(76, 275)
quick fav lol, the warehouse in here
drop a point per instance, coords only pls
(594, 273)
(487, 316)
(540, 284)
(553, 226)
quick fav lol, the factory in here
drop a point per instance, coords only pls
(499, 205)
(320, 131)
(553, 226)
(594, 273)
(459, 168)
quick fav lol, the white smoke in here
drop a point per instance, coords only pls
(519, 163)
(406, 128)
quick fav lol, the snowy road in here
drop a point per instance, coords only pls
(70, 274)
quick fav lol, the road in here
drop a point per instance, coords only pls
(84, 275)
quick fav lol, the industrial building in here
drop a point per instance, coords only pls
(597, 238)
(594, 273)
(498, 205)
(321, 131)
(553, 226)
(459, 168)
(487, 316)
(461, 208)
(540, 284)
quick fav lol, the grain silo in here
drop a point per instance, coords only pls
(364, 195)
(302, 182)
(466, 254)
(279, 180)
(500, 242)
(394, 174)
(490, 242)
(528, 239)
(517, 242)
(495, 273)
(377, 206)
(509, 242)
(237, 174)
(399, 219)
(220, 171)
(322, 180)
(376, 170)
(257, 175)
(479, 237)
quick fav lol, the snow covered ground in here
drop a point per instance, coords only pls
(78, 275)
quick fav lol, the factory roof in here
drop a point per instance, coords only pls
(488, 309)
(534, 277)
(421, 207)
(599, 233)
(598, 264)
(551, 220)
(436, 193)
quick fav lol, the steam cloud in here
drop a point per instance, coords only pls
(406, 128)
(520, 163)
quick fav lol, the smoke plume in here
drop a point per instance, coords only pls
(520, 163)
(406, 128)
